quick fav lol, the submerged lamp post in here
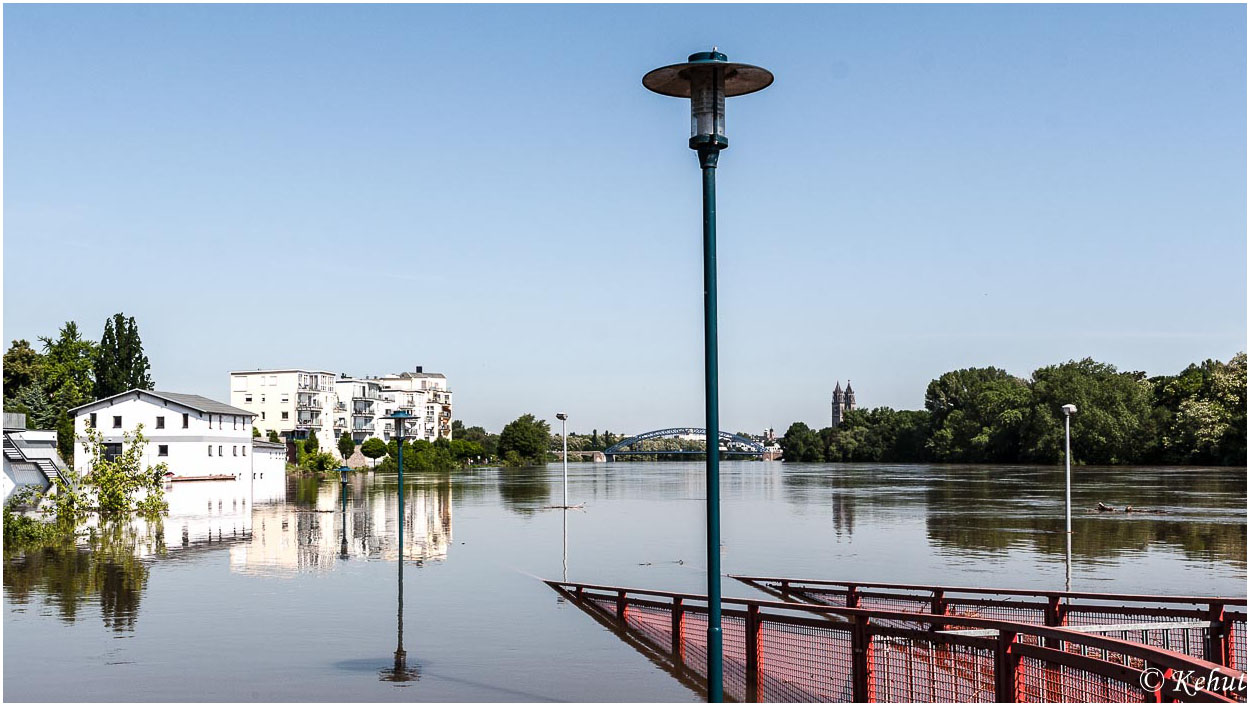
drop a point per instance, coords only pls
(707, 79)
(565, 437)
(1068, 411)
(400, 419)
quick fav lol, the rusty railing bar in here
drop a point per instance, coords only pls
(795, 585)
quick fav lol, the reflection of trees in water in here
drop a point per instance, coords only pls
(992, 508)
(524, 489)
(988, 508)
(104, 568)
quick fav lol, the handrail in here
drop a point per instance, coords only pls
(1167, 660)
(1142, 598)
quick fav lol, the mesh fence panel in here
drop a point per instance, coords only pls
(804, 663)
(915, 670)
(1237, 634)
(1043, 682)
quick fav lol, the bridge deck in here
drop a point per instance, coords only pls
(787, 651)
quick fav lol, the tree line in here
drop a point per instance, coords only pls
(68, 370)
(987, 415)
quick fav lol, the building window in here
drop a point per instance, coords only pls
(92, 421)
(234, 450)
(117, 422)
(286, 415)
(219, 453)
(210, 449)
(186, 421)
(262, 415)
(162, 450)
(247, 399)
(160, 422)
(244, 450)
(262, 399)
(219, 417)
(112, 451)
(286, 398)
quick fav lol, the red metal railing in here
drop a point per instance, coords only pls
(1209, 627)
(782, 651)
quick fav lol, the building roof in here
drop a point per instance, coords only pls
(257, 442)
(419, 375)
(196, 402)
(280, 370)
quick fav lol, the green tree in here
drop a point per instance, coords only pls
(457, 428)
(800, 443)
(124, 483)
(524, 441)
(976, 415)
(23, 366)
(346, 446)
(120, 363)
(373, 448)
(33, 401)
(273, 437)
(311, 444)
(255, 432)
(1113, 423)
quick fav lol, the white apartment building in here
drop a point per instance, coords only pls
(194, 436)
(294, 402)
(426, 397)
(360, 409)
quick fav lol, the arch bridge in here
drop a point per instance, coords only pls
(729, 444)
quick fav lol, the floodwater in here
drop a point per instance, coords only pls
(298, 599)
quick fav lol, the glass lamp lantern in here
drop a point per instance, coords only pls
(707, 79)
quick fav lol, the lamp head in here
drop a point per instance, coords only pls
(401, 419)
(707, 79)
(561, 416)
(1069, 410)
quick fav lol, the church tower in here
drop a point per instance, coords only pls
(839, 400)
(843, 402)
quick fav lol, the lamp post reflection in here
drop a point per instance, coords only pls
(400, 671)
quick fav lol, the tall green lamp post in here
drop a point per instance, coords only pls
(707, 79)
(400, 420)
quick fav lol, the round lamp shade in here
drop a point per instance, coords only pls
(739, 79)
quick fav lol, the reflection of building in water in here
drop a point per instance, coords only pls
(286, 538)
(843, 513)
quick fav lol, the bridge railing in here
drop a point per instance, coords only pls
(1210, 627)
(782, 651)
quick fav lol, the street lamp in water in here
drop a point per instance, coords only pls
(565, 437)
(1068, 411)
(707, 79)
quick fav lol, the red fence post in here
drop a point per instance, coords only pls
(754, 663)
(863, 682)
(852, 597)
(938, 607)
(1006, 669)
(1218, 648)
(622, 605)
(679, 630)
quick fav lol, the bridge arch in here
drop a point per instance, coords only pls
(734, 443)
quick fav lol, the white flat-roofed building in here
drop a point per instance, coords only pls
(294, 402)
(30, 457)
(426, 397)
(193, 435)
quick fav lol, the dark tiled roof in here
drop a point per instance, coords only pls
(196, 402)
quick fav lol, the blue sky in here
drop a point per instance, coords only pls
(924, 188)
